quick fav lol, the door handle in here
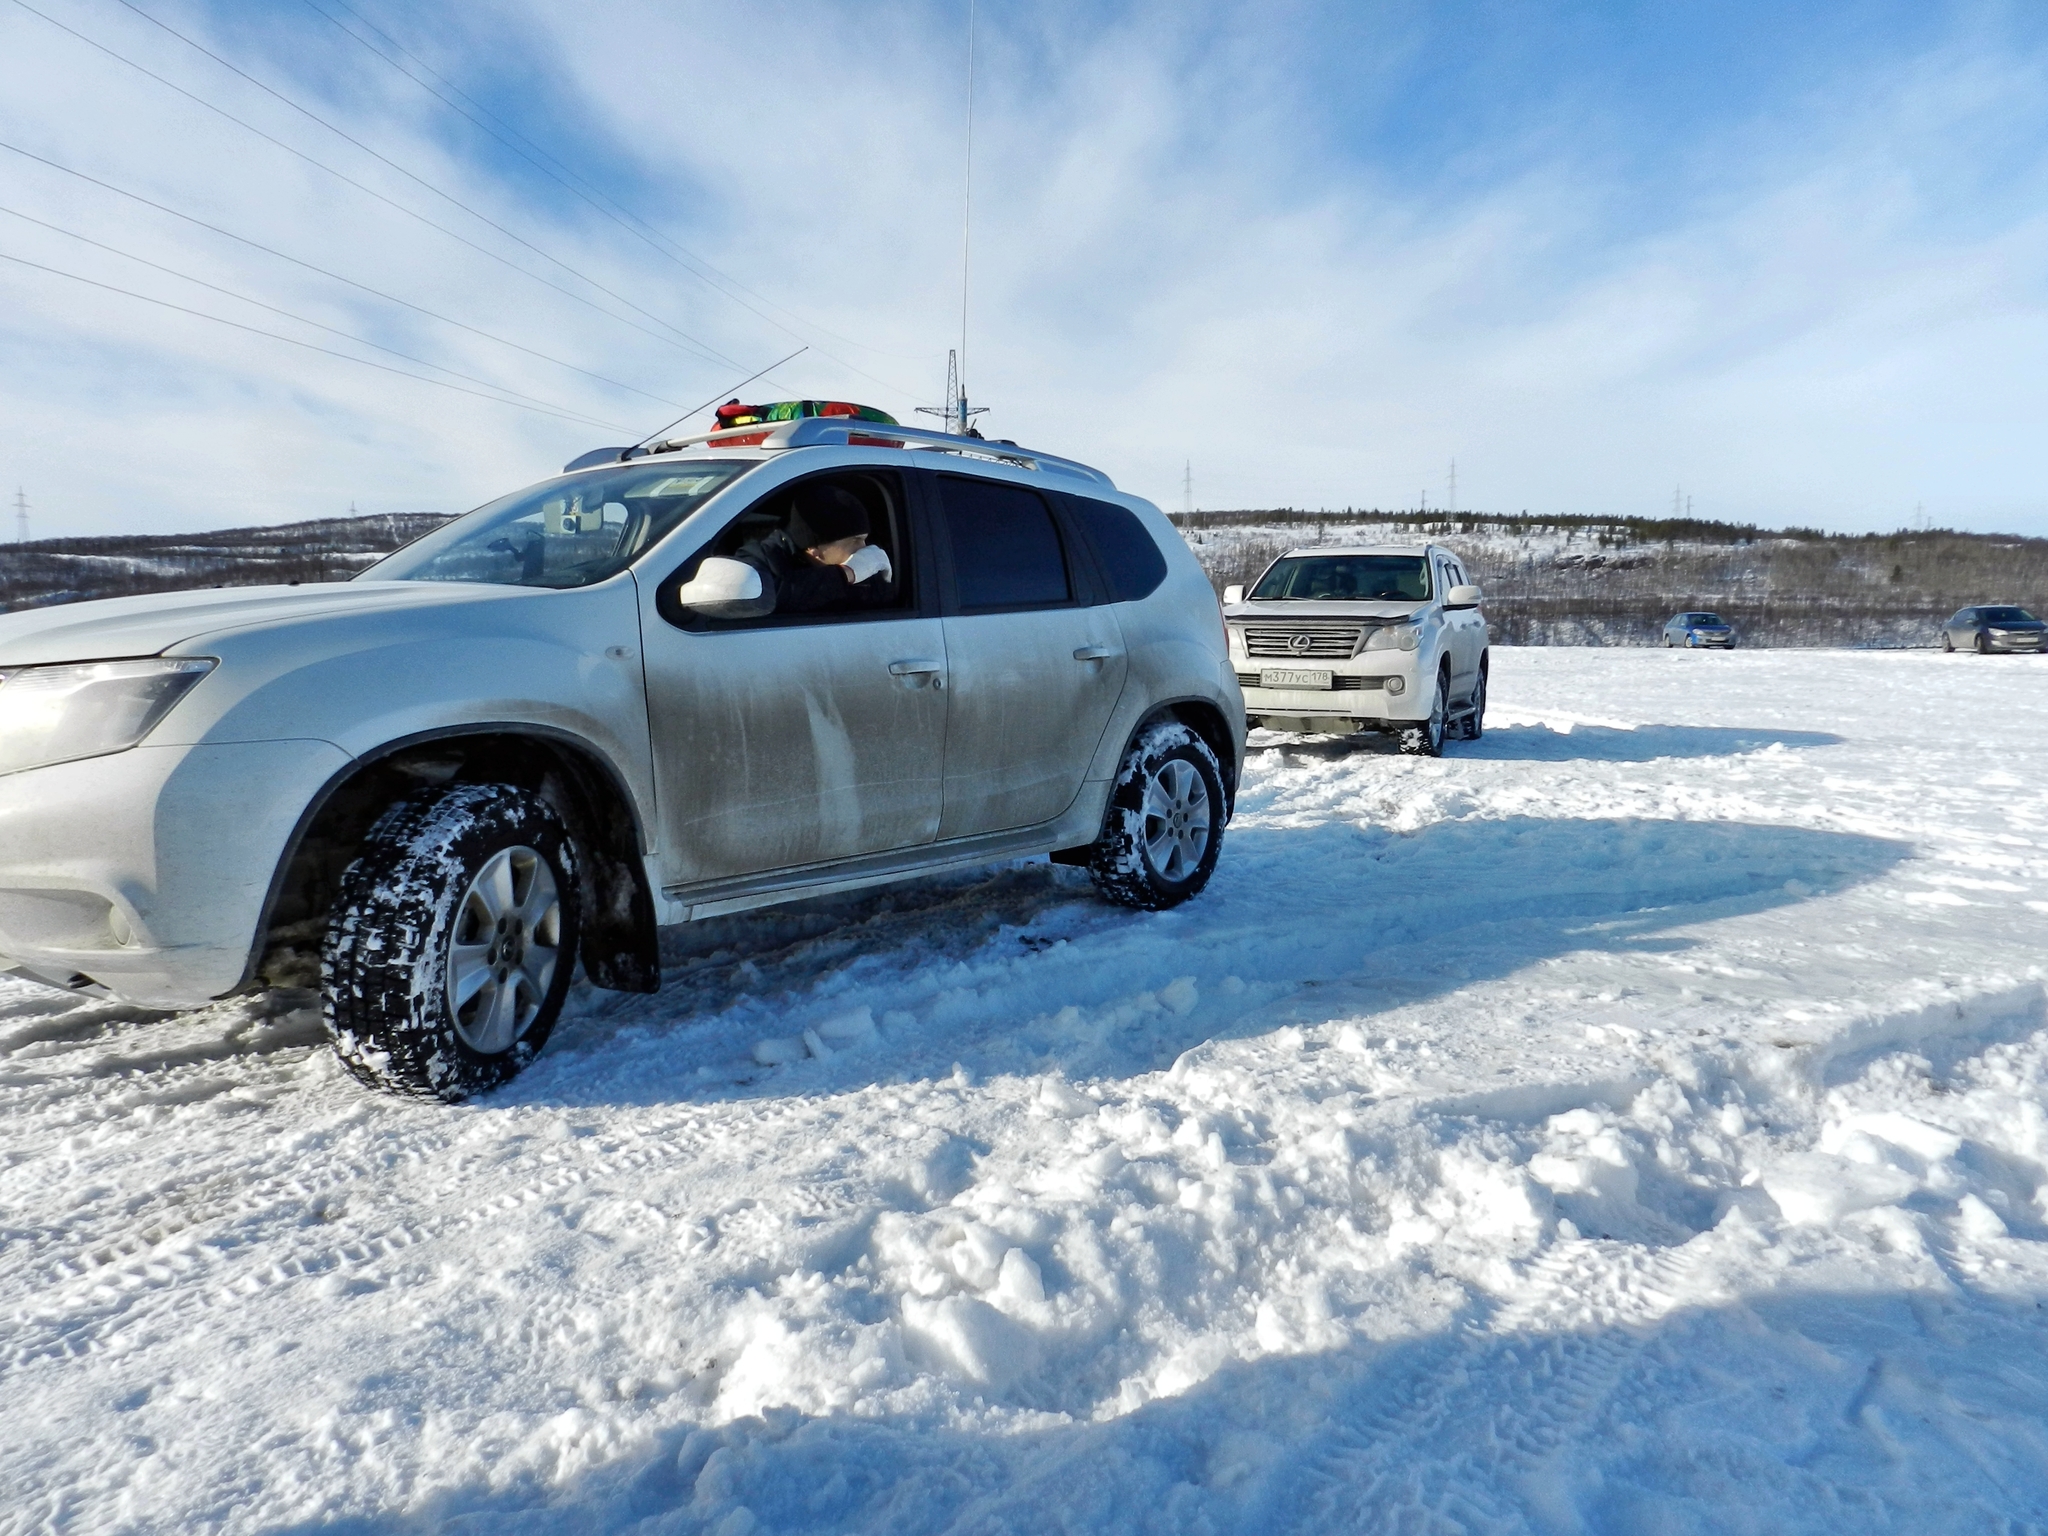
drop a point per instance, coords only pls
(1094, 653)
(913, 666)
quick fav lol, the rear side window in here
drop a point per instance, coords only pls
(1006, 549)
(1132, 561)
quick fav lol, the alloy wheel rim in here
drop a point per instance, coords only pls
(507, 943)
(1177, 820)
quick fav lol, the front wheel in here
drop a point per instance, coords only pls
(1165, 824)
(1425, 738)
(1948, 642)
(452, 942)
(1983, 645)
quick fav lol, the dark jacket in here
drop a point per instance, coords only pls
(798, 586)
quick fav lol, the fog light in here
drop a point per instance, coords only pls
(1397, 685)
(117, 925)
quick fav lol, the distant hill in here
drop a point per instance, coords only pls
(46, 571)
(1548, 580)
(1614, 581)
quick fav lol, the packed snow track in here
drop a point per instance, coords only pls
(1635, 1121)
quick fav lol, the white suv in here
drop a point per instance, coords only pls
(1381, 637)
(579, 712)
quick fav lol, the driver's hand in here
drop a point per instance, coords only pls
(867, 561)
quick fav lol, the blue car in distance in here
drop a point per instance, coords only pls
(1699, 629)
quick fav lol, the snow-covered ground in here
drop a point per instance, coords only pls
(1636, 1121)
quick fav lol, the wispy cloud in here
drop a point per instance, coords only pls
(1817, 296)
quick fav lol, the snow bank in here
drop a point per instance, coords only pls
(1598, 1129)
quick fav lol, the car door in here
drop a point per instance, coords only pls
(1035, 660)
(793, 740)
(1457, 629)
(1471, 632)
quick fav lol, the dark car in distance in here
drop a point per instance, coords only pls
(1998, 628)
(1699, 629)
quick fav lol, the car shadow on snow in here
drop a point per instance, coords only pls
(1020, 970)
(1791, 1411)
(1538, 742)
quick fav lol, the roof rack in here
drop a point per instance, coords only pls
(820, 431)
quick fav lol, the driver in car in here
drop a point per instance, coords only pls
(821, 560)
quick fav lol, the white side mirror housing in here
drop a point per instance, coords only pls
(1233, 594)
(725, 589)
(1462, 597)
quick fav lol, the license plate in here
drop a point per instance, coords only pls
(1294, 679)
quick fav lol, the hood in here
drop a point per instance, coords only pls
(160, 621)
(1372, 612)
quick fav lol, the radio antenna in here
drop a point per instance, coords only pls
(743, 383)
(966, 229)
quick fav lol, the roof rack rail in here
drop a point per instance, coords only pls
(820, 431)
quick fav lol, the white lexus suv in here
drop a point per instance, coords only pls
(1383, 637)
(594, 707)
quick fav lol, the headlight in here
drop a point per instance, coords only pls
(1396, 637)
(54, 714)
(1997, 631)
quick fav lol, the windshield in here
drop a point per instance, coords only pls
(1383, 578)
(567, 532)
(2006, 615)
(1708, 621)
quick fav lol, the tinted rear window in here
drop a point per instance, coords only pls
(1133, 562)
(1006, 550)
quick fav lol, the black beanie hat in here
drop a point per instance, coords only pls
(825, 514)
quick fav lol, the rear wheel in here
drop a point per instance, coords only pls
(1474, 725)
(1425, 738)
(452, 942)
(1165, 824)
(1948, 642)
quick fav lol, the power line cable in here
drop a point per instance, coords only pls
(311, 116)
(689, 260)
(318, 325)
(694, 348)
(254, 330)
(375, 293)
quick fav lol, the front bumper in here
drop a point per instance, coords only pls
(2022, 643)
(144, 873)
(1373, 690)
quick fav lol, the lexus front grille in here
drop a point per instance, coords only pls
(1301, 641)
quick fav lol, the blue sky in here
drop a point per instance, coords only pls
(1791, 262)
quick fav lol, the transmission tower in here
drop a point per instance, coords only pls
(954, 414)
(1452, 508)
(20, 515)
(1187, 486)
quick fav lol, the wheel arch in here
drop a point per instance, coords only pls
(620, 945)
(1207, 721)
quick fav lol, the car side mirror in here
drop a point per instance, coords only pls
(1462, 597)
(1233, 594)
(725, 589)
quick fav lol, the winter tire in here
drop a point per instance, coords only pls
(1948, 642)
(1983, 645)
(1474, 724)
(452, 942)
(1425, 738)
(1165, 824)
